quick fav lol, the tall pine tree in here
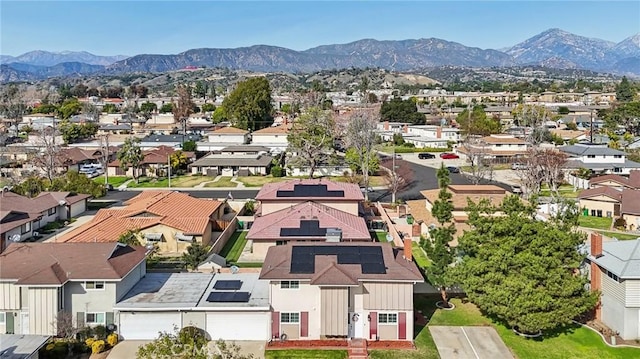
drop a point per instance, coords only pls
(437, 246)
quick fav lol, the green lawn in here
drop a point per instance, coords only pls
(620, 236)
(305, 354)
(178, 181)
(595, 222)
(232, 250)
(259, 181)
(380, 236)
(115, 181)
(420, 257)
(565, 190)
(222, 182)
(402, 149)
(576, 342)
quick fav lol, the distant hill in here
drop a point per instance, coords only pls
(553, 48)
(46, 58)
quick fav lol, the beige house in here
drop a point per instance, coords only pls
(345, 197)
(273, 137)
(79, 281)
(351, 290)
(617, 181)
(171, 221)
(613, 203)
(497, 147)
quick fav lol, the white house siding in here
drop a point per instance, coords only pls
(130, 280)
(388, 296)
(228, 138)
(289, 300)
(280, 139)
(77, 299)
(195, 319)
(632, 291)
(334, 316)
(43, 302)
(9, 296)
(613, 288)
(78, 208)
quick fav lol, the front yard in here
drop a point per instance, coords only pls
(565, 190)
(619, 236)
(259, 181)
(595, 222)
(178, 181)
(305, 354)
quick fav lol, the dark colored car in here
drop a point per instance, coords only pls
(424, 155)
(448, 155)
(453, 169)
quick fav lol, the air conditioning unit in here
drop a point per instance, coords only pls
(333, 235)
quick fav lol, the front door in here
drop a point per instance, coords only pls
(356, 325)
(24, 323)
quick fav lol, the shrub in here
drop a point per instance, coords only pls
(276, 171)
(55, 350)
(78, 347)
(85, 333)
(100, 331)
(620, 223)
(97, 347)
(89, 342)
(112, 339)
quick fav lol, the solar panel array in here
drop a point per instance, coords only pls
(310, 190)
(228, 284)
(308, 228)
(228, 297)
(371, 260)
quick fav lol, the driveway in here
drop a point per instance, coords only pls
(126, 349)
(469, 343)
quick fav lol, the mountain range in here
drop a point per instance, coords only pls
(553, 48)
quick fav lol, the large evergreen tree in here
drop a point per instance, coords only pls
(249, 105)
(625, 91)
(437, 246)
(401, 111)
(521, 270)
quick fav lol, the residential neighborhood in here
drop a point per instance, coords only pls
(335, 208)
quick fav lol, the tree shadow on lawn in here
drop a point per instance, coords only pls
(566, 329)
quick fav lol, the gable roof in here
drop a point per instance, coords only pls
(601, 191)
(632, 182)
(273, 130)
(158, 155)
(229, 131)
(328, 271)
(56, 263)
(461, 194)
(173, 209)
(269, 227)
(630, 202)
(274, 191)
(502, 139)
(587, 149)
(621, 258)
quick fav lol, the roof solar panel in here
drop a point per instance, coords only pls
(228, 284)
(308, 228)
(370, 259)
(228, 297)
(310, 190)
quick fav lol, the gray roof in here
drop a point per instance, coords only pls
(245, 148)
(585, 149)
(259, 290)
(18, 346)
(621, 258)
(229, 160)
(166, 291)
(171, 138)
(600, 166)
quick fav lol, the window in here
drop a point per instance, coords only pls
(611, 275)
(591, 156)
(498, 145)
(593, 213)
(289, 318)
(289, 284)
(387, 318)
(599, 213)
(94, 318)
(617, 169)
(51, 211)
(280, 243)
(617, 156)
(94, 285)
(2, 317)
(26, 228)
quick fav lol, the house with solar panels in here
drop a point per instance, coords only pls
(350, 290)
(314, 210)
(226, 306)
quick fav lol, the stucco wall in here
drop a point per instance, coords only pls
(77, 299)
(196, 319)
(605, 204)
(170, 244)
(291, 300)
(130, 280)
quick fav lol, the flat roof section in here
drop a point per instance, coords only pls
(166, 291)
(258, 291)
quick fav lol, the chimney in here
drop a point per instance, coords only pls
(439, 132)
(405, 129)
(386, 125)
(407, 248)
(596, 245)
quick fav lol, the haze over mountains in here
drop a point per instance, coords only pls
(553, 48)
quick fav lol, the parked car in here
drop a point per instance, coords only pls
(367, 189)
(448, 156)
(518, 166)
(453, 169)
(398, 157)
(425, 155)
(516, 189)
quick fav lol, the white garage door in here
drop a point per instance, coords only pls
(238, 325)
(144, 326)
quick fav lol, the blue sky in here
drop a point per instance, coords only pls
(136, 27)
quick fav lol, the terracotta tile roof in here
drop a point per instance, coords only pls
(230, 130)
(269, 191)
(173, 209)
(277, 265)
(268, 227)
(275, 130)
(159, 155)
(420, 213)
(55, 263)
(461, 194)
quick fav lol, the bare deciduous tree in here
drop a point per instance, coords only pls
(480, 166)
(398, 178)
(182, 107)
(542, 166)
(532, 116)
(311, 138)
(65, 325)
(49, 158)
(360, 135)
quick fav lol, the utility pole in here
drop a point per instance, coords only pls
(393, 175)
(169, 169)
(591, 125)
(105, 155)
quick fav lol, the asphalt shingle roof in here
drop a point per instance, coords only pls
(621, 258)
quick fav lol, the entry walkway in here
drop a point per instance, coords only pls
(469, 343)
